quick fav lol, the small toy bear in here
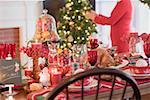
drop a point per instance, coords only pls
(45, 77)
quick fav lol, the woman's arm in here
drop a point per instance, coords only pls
(119, 10)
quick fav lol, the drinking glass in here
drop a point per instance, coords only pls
(92, 57)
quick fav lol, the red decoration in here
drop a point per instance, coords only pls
(28, 72)
(132, 42)
(146, 38)
(37, 50)
(147, 49)
(79, 83)
(138, 70)
(93, 43)
(56, 78)
(6, 49)
(55, 75)
(92, 57)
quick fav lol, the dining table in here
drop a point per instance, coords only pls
(143, 85)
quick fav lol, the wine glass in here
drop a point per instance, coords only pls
(92, 57)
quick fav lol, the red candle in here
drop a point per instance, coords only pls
(36, 45)
(56, 78)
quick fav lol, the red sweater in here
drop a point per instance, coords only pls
(120, 24)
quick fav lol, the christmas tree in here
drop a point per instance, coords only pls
(74, 28)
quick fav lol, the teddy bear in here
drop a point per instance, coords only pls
(45, 77)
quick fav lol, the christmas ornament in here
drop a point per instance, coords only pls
(68, 5)
(71, 23)
(70, 38)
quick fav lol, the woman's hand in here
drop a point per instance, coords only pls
(91, 15)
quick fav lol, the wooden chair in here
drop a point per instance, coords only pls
(116, 78)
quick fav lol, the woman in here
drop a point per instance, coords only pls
(120, 24)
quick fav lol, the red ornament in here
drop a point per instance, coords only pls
(94, 43)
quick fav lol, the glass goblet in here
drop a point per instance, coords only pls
(92, 57)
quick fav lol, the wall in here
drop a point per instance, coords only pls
(22, 14)
(104, 7)
(141, 18)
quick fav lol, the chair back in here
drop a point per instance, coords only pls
(110, 82)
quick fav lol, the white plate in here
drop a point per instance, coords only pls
(92, 83)
(123, 64)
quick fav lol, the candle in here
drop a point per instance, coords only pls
(36, 45)
(56, 78)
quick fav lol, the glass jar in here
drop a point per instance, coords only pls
(46, 28)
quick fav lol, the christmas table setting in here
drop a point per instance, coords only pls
(57, 53)
(54, 57)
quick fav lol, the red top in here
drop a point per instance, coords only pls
(120, 24)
